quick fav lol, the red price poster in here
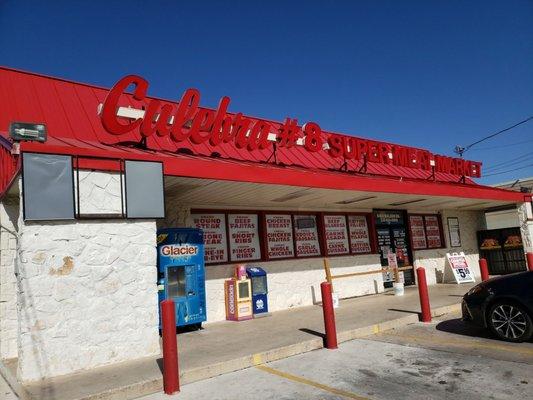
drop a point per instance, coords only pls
(279, 236)
(432, 231)
(214, 228)
(359, 236)
(306, 236)
(418, 233)
(244, 237)
(336, 234)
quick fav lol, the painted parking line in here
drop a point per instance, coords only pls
(309, 382)
(462, 343)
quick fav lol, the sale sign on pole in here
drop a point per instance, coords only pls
(459, 266)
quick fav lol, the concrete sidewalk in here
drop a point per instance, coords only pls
(229, 346)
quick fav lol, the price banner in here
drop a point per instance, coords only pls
(214, 228)
(279, 236)
(244, 237)
(433, 231)
(306, 235)
(461, 271)
(359, 236)
(418, 233)
(336, 234)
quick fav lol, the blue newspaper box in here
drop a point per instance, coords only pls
(181, 270)
(258, 276)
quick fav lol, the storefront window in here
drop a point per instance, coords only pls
(418, 232)
(359, 234)
(244, 237)
(433, 232)
(215, 240)
(306, 235)
(425, 231)
(279, 236)
(336, 234)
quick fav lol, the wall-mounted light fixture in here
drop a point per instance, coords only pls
(27, 131)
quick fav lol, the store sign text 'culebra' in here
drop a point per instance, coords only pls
(187, 121)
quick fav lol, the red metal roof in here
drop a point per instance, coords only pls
(69, 110)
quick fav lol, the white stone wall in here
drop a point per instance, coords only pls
(99, 192)
(9, 214)
(87, 294)
(296, 282)
(434, 260)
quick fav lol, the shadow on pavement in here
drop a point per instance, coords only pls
(458, 327)
(315, 333)
(404, 311)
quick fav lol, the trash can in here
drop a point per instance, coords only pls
(258, 276)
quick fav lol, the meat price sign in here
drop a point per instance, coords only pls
(214, 228)
(244, 237)
(432, 231)
(169, 124)
(279, 236)
(460, 269)
(306, 236)
(359, 237)
(418, 233)
(336, 234)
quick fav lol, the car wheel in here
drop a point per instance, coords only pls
(510, 321)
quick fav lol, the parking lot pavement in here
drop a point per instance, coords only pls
(441, 360)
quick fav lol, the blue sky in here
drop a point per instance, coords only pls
(426, 73)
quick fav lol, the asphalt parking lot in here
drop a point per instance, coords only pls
(442, 360)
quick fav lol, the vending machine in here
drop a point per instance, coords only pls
(181, 273)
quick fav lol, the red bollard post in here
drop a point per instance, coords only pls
(171, 375)
(484, 268)
(329, 316)
(529, 257)
(423, 293)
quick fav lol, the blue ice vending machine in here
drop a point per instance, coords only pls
(258, 276)
(181, 273)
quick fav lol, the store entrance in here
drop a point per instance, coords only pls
(392, 235)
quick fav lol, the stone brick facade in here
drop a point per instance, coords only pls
(9, 214)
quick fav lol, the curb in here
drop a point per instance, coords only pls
(151, 386)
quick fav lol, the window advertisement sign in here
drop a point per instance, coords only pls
(306, 233)
(214, 228)
(279, 236)
(336, 234)
(454, 232)
(244, 237)
(432, 231)
(359, 235)
(418, 233)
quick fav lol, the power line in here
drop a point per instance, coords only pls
(513, 161)
(503, 145)
(460, 150)
(509, 170)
